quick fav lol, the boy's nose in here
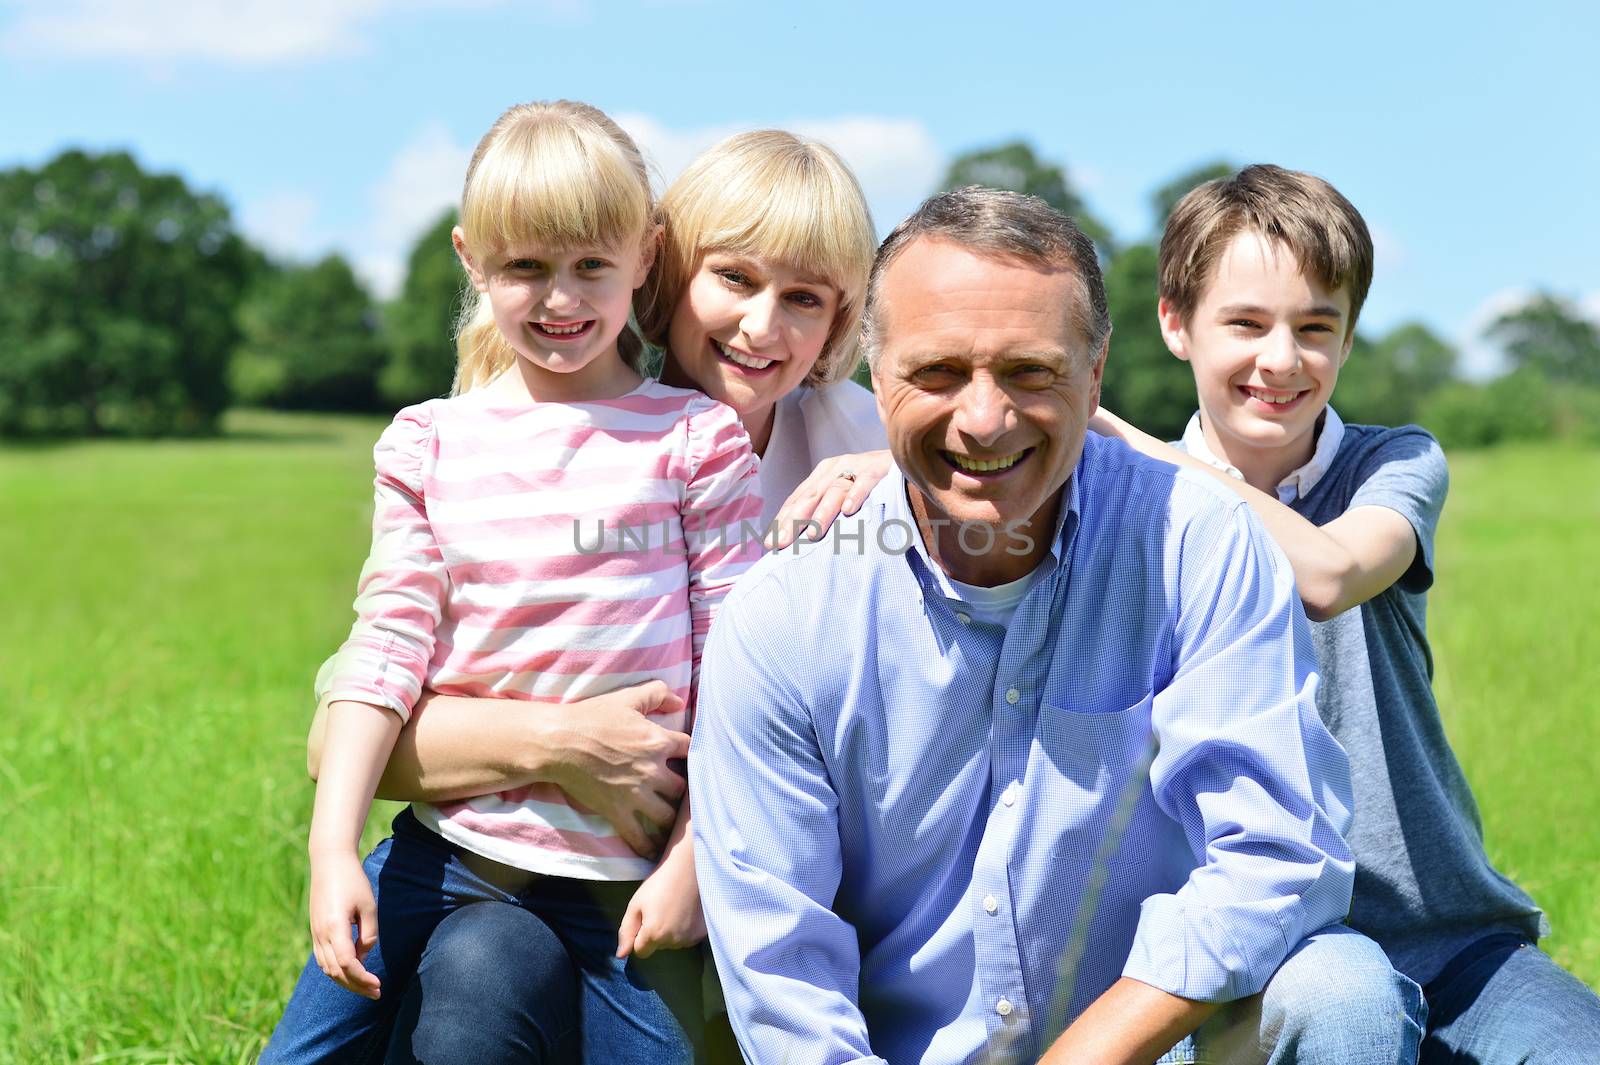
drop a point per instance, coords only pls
(1280, 353)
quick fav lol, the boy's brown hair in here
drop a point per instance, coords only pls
(1300, 211)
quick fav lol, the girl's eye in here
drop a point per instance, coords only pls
(591, 264)
(522, 264)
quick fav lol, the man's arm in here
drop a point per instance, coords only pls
(766, 844)
(1336, 566)
(1245, 766)
(1131, 1024)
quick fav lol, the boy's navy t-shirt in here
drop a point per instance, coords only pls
(1424, 886)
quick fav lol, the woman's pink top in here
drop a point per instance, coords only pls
(549, 552)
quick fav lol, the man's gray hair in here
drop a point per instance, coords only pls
(1003, 225)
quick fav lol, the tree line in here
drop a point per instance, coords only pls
(133, 306)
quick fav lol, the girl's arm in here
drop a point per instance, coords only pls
(359, 739)
(665, 913)
(602, 751)
(1336, 566)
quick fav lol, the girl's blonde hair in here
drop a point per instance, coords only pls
(775, 195)
(546, 175)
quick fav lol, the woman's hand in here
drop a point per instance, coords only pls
(837, 486)
(619, 763)
(340, 897)
(664, 913)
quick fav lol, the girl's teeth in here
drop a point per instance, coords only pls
(743, 360)
(985, 467)
(563, 330)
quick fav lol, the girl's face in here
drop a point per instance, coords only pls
(561, 310)
(747, 330)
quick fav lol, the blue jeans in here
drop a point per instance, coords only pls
(1335, 1000)
(1502, 999)
(590, 1006)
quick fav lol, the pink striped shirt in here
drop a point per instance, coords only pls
(551, 552)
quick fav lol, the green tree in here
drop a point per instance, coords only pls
(1164, 199)
(1014, 166)
(1519, 406)
(119, 294)
(1386, 382)
(1550, 335)
(420, 324)
(1143, 382)
(310, 340)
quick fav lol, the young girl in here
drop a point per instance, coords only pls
(480, 583)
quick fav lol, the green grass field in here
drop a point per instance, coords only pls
(167, 604)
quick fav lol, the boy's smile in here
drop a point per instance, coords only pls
(1265, 342)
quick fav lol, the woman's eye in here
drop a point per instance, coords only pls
(808, 300)
(734, 278)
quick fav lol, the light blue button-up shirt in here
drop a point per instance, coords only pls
(922, 838)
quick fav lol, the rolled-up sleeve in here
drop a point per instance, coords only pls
(767, 852)
(403, 584)
(1246, 766)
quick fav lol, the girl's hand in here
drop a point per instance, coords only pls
(664, 913)
(340, 897)
(827, 493)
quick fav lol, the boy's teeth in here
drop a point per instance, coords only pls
(985, 467)
(742, 359)
(1269, 397)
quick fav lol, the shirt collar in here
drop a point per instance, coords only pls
(1299, 483)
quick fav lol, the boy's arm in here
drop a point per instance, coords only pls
(1336, 566)
(1130, 1024)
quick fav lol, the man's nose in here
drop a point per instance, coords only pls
(983, 410)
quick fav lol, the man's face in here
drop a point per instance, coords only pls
(983, 383)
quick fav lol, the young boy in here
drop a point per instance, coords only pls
(1262, 277)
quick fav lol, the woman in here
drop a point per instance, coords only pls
(755, 300)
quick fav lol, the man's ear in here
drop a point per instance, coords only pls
(648, 252)
(1173, 330)
(458, 239)
(1098, 370)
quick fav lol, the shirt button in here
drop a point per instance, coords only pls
(989, 904)
(1012, 695)
(1003, 1007)
(1009, 796)
(965, 619)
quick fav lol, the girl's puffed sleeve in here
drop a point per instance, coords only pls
(403, 585)
(721, 513)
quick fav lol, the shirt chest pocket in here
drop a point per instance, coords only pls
(1093, 781)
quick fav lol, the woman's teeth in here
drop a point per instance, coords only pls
(1273, 397)
(976, 466)
(749, 362)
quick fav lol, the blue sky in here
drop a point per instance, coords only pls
(1466, 134)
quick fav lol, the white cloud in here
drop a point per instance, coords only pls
(243, 31)
(424, 179)
(282, 223)
(895, 159)
(1481, 358)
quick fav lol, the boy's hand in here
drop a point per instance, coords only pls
(340, 897)
(664, 913)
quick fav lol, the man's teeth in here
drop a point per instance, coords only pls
(562, 330)
(1273, 397)
(748, 361)
(985, 467)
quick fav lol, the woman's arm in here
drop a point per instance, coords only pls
(603, 752)
(1336, 566)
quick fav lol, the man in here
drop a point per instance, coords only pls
(1034, 743)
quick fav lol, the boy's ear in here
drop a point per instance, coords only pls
(458, 239)
(1172, 329)
(648, 252)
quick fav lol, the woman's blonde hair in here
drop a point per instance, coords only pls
(779, 196)
(547, 175)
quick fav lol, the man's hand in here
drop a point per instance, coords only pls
(340, 897)
(664, 913)
(838, 486)
(617, 762)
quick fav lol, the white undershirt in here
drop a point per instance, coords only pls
(996, 605)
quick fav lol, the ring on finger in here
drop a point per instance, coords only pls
(845, 475)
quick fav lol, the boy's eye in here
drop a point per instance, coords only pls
(1244, 323)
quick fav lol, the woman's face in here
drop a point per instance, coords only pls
(747, 331)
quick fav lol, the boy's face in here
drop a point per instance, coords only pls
(1265, 343)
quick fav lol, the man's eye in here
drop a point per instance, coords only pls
(1034, 373)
